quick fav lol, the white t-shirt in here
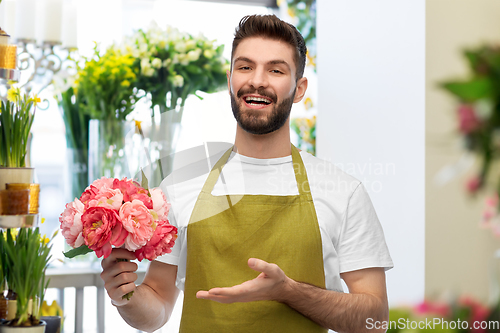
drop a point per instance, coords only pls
(351, 234)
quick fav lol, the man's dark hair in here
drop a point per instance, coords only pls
(270, 26)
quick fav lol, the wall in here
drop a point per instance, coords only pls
(458, 252)
(371, 108)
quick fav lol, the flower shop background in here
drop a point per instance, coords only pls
(379, 66)
(381, 104)
(459, 253)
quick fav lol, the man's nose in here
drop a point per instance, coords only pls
(258, 79)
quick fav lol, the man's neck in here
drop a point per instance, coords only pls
(271, 145)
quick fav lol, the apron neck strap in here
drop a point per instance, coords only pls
(298, 168)
(300, 173)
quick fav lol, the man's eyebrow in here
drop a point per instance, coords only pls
(278, 62)
(245, 59)
(272, 62)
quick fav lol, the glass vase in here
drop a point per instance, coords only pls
(107, 149)
(77, 171)
(160, 142)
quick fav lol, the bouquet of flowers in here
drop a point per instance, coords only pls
(105, 83)
(113, 212)
(167, 61)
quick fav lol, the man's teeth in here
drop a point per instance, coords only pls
(257, 100)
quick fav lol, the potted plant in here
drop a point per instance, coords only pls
(16, 118)
(24, 260)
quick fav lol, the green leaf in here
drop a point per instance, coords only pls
(472, 57)
(470, 91)
(194, 69)
(144, 180)
(84, 249)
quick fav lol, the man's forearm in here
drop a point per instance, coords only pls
(344, 313)
(145, 311)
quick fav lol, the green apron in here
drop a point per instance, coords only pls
(225, 231)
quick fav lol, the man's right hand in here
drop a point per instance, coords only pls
(119, 276)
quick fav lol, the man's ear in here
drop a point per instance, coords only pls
(300, 90)
(228, 75)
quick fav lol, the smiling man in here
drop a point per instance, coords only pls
(268, 232)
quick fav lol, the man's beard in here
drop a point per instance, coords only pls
(255, 121)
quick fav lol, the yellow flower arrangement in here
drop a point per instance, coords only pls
(105, 84)
(52, 310)
(16, 118)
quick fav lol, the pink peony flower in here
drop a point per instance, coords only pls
(138, 221)
(144, 197)
(492, 201)
(133, 191)
(162, 242)
(108, 198)
(127, 187)
(478, 312)
(474, 184)
(89, 194)
(103, 182)
(160, 204)
(101, 229)
(71, 223)
(467, 119)
(433, 308)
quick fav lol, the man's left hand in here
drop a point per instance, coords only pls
(269, 285)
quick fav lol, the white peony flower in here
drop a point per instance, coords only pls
(209, 44)
(148, 71)
(145, 63)
(193, 55)
(183, 59)
(190, 44)
(167, 62)
(180, 46)
(156, 63)
(209, 54)
(178, 81)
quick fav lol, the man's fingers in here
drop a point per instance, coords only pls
(202, 294)
(117, 254)
(262, 266)
(217, 298)
(120, 280)
(225, 291)
(116, 293)
(115, 268)
(121, 254)
(119, 276)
